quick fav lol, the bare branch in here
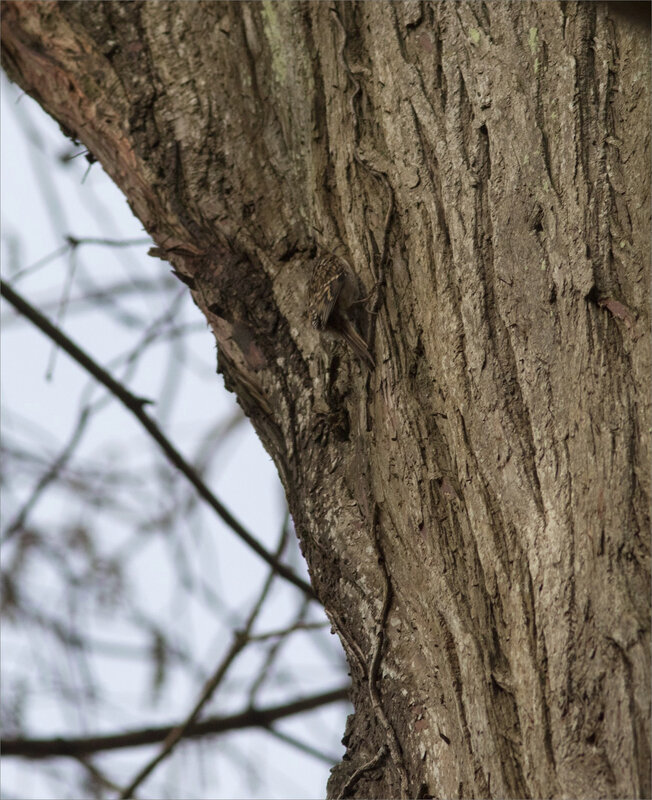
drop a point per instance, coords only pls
(240, 641)
(97, 774)
(50, 475)
(252, 718)
(135, 405)
(283, 632)
(304, 747)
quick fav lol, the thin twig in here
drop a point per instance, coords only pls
(304, 747)
(273, 653)
(42, 262)
(297, 626)
(99, 296)
(50, 475)
(97, 774)
(62, 307)
(135, 405)
(240, 641)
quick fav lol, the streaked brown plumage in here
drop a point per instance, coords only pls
(332, 292)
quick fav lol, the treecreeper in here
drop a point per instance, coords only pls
(332, 291)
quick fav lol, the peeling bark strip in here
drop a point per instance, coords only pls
(504, 435)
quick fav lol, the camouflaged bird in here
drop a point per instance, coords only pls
(332, 291)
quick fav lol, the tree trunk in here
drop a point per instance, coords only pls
(475, 510)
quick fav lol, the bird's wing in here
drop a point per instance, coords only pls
(325, 302)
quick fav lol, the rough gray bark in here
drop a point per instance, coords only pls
(475, 512)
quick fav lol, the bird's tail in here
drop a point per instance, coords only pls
(358, 344)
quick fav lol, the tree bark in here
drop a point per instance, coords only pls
(475, 511)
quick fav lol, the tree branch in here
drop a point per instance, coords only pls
(252, 718)
(240, 641)
(135, 405)
(304, 747)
